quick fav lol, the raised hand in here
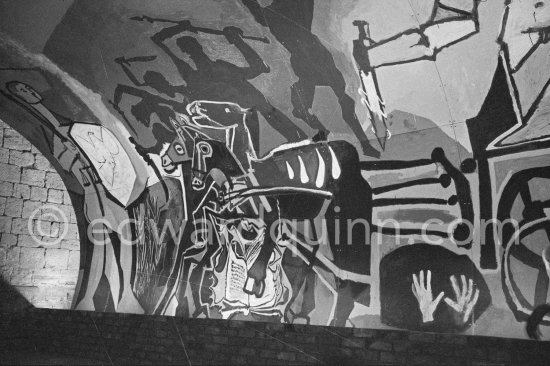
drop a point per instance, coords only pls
(423, 294)
(466, 298)
(122, 61)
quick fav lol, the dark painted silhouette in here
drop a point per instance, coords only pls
(221, 80)
(150, 104)
(290, 22)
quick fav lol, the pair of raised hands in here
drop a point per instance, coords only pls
(465, 296)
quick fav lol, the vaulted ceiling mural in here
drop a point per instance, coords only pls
(349, 163)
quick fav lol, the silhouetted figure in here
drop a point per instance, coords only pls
(290, 22)
(170, 99)
(221, 80)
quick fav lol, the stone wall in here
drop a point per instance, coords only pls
(41, 263)
(118, 339)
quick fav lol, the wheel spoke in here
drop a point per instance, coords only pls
(525, 194)
(541, 287)
(524, 255)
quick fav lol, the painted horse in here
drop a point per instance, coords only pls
(307, 185)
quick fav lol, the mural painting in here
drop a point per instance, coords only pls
(301, 161)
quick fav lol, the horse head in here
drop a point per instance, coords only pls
(213, 158)
(174, 155)
(217, 114)
(181, 148)
(229, 122)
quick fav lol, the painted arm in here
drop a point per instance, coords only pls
(426, 41)
(125, 64)
(167, 33)
(256, 10)
(255, 62)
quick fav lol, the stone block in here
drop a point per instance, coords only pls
(381, 346)
(23, 159)
(8, 240)
(422, 337)
(286, 356)
(70, 244)
(42, 228)
(364, 333)
(21, 277)
(67, 198)
(5, 224)
(74, 260)
(10, 173)
(21, 191)
(27, 241)
(4, 155)
(57, 258)
(13, 256)
(32, 258)
(72, 232)
(14, 207)
(50, 242)
(55, 196)
(21, 226)
(32, 208)
(53, 293)
(63, 213)
(33, 177)
(6, 189)
(54, 230)
(41, 163)
(53, 180)
(351, 342)
(39, 194)
(14, 141)
(3, 201)
(52, 277)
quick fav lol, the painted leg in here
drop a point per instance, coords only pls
(347, 105)
(111, 271)
(96, 271)
(301, 96)
(344, 303)
(277, 119)
(255, 281)
(128, 302)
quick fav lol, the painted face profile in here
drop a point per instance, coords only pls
(24, 92)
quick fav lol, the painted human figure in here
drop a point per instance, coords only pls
(154, 110)
(222, 81)
(290, 22)
(86, 151)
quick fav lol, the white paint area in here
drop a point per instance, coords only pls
(110, 160)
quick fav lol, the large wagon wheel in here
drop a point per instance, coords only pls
(525, 281)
